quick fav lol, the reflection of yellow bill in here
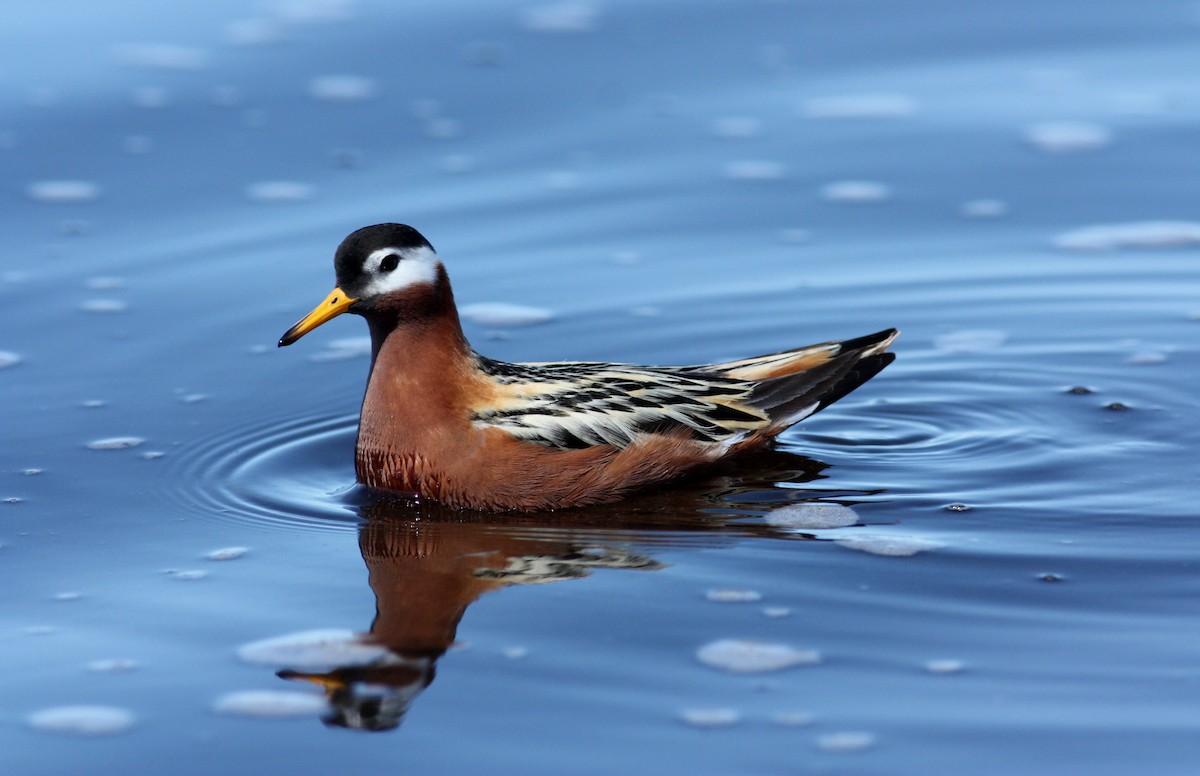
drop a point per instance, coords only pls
(334, 305)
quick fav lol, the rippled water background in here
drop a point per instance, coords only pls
(1014, 186)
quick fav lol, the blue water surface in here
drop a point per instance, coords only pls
(1013, 585)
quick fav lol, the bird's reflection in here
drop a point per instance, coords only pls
(427, 564)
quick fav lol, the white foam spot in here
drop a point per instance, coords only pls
(984, 208)
(227, 553)
(742, 656)
(504, 314)
(190, 575)
(443, 128)
(516, 653)
(162, 56)
(944, 666)
(151, 97)
(253, 32)
(82, 720)
(794, 236)
(137, 145)
(8, 358)
(737, 127)
(970, 341)
(92, 404)
(152, 455)
(1066, 137)
(280, 191)
(343, 349)
(1135, 234)
(856, 192)
(69, 595)
(104, 283)
(568, 17)
(776, 612)
(728, 595)
(812, 514)
(710, 717)
(892, 545)
(457, 164)
(860, 106)
(116, 443)
(1147, 358)
(754, 170)
(341, 88)
(311, 649)
(846, 741)
(313, 11)
(794, 719)
(270, 703)
(112, 666)
(104, 306)
(63, 192)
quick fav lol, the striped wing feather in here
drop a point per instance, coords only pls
(580, 404)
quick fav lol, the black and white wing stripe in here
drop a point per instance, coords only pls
(576, 405)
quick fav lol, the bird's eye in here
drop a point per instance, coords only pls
(389, 262)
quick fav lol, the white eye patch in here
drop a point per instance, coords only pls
(415, 266)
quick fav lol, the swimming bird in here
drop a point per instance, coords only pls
(443, 422)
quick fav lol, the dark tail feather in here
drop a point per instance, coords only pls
(857, 361)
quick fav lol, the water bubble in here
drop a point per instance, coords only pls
(82, 720)
(280, 191)
(958, 507)
(227, 553)
(812, 514)
(112, 666)
(504, 314)
(1065, 137)
(13, 500)
(984, 208)
(737, 127)
(137, 145)
(970, 341)
(151, 97)
(944, 666)
(710, 717)
(8, 359)
(190, 575)
(559, 18)
(856, 192)
(443, 128)
(104, 306)
(795, 236)
(860, 106)
(890, 545)
(311, 649)
(728, 595)
(104, 283)
(743, 656)
(61, 192)
(754, 170)
(1146, 358)
(1135, 234)
(253, 32)
(846, 741)
(270, 703)
(162, 56)
(457, 164)
(115, 443)
(341, 88)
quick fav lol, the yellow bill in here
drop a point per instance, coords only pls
(334, 305)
